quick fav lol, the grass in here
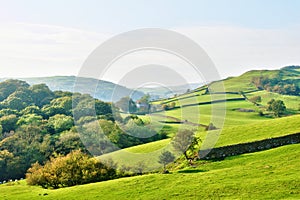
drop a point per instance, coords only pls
(232, 117)
(258, 131)
(272, 174)
(291, 102)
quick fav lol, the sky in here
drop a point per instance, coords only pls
(47, 38)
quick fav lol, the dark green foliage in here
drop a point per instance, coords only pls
(61, 123)
(276, 106)
(74, 169)
(30, 119)
(10, 86)
(31, 110)
(8, 123)
(68, 142)
(36, 123)
(28, 145)
(85, 105)
(41, 94)
(277, 84)
(255, 99)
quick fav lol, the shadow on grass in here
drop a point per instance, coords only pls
(189, 171)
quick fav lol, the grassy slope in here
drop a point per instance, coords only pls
(148, 153)
(291, 102)
(271, 174)
(259, 131)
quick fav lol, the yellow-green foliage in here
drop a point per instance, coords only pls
(74, 169)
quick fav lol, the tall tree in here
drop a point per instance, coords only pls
(182, 141)
(165, 158)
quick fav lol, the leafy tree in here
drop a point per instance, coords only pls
(5, 112)
(32, 110)
(5, 160)
(61, 105)
(276, 106)
(182, 141)
(85, 105)
(74, 169)
(41, 94)
(61, 123)
(68, 142)
(255, 99)
(127, 105)
(165, 158)
(30, 119)
(27, 145)
(10, 86)
(8, 123)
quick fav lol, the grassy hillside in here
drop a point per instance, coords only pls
(272, 174)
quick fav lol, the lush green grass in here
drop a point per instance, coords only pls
(243, 82)
(257, 131)
(272, 174)
(291, 102)
(232, 117)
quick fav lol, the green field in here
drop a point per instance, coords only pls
(272, 174)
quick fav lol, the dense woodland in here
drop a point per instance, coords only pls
(37, 124)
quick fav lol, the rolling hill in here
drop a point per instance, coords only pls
(269, 174)
(105, 90)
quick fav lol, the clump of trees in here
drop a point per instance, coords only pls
(141, 106)
(277, 107)
(168, 106)
(277, 84)
(255, 99)
(73, 169)
(36, 123)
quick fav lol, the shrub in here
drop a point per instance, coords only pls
(74, 169)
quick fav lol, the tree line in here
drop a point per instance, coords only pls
(37, 124)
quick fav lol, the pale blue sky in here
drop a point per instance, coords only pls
(122, 15)
(41, 38)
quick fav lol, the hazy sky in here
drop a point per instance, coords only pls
(45, 38)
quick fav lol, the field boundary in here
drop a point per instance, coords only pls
(249, 147)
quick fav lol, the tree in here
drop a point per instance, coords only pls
(61, 122)
(8, 123)
(41, 94)
(74, 169)
(165, 158)
(10, 86)
(255, 99)
(182, 141)
(276, 106)
(127, 105)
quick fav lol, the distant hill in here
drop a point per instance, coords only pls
(245, 83)
(105, 90)
(170, 91)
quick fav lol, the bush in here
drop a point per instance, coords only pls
(74, 169)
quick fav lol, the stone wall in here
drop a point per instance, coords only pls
(222, 152)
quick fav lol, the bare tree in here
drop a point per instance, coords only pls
(165, 158)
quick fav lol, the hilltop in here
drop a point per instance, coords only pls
(105, 90)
